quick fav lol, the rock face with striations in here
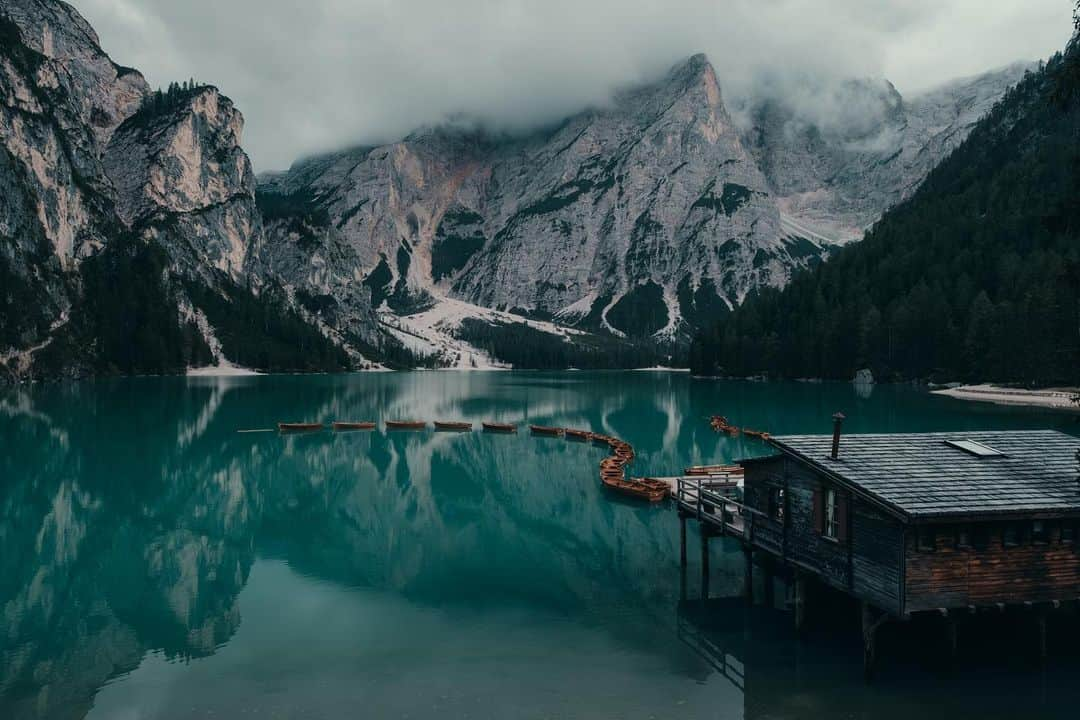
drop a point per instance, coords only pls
(836, 156)
(630, 219)
(62, 99)
(642, 218)
(132, 237)
(184, 168)
(129, 230)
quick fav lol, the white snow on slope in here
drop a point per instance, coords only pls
(432, 332)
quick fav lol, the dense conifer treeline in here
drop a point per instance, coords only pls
(531, 349)
(975, 277)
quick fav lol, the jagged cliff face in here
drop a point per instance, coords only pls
(836, 158)
(128, 221)
(642, 218)
(623, 218)
(62, 98)
(185, 167)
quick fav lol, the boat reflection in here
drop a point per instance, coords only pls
(132, 513)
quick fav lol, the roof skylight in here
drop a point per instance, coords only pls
(975, 448)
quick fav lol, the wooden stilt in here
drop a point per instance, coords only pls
(704, 564)
(748, 587)
(869, 633)
(872, 620)
(770, 583)
(799, 601)
(1040, 620)
(952, 635)
(682, 540)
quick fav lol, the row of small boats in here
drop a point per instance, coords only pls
(442, 425)
(720, 423)
(612, 468)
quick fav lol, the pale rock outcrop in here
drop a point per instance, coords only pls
(644, 217)
(187, 165)
(90, 160)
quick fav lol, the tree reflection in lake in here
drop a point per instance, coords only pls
(135, 519)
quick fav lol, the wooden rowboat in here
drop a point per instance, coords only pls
(364, 425)
(635, 489)
(405, 424)
(452, 426)
(582, 435)
(713, 470)
(499, 427)
(299, 427)
(654, 484)
(543, 430)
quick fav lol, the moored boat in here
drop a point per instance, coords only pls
(544, 430)
(452, 426)
(405, 424)
(713, 470)
(654, 484)
(299, 427)
(500, 427)
(363, 425)
(635, 488)
(582, 435)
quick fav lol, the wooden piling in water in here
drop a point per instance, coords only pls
(748, 586)
(704, 565)
(682, 540)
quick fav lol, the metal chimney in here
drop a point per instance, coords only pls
(838, 420)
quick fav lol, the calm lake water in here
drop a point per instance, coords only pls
(156, 563)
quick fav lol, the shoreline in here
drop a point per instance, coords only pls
(1050, 398)
(222, 369)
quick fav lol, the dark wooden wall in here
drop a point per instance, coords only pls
(878, 557)
(950, 577)
(866, 562)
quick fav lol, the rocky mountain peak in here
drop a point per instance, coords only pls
(688, 73)
(641, 218)
(62, 58)
(691, 84)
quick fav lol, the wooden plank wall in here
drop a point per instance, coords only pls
(951, 577)
(869, 565)
(877, 557)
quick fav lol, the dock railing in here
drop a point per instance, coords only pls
(713, 499)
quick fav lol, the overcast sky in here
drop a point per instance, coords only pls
(314, 75)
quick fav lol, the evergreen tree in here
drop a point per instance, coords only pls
(975, 277)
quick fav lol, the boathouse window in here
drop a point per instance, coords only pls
(927, 539)
(1038, 532)
(1068, 531)
(776, 504)
(1010, 536)
(963, 538)
(832, 515)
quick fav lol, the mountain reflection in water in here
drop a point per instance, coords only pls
(158, 563)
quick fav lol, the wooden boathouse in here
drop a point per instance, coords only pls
(942, 523)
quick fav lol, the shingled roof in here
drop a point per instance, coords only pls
(922, 476)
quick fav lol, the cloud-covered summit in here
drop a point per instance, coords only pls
(325, 74)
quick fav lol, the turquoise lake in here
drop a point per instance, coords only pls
(157, 563)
